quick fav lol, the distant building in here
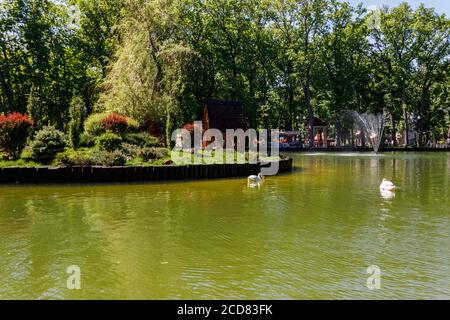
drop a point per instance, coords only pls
(320, 133)
(223, 115)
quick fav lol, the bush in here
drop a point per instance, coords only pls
(99, 123)
(105, 158)
(71, 157)
(91, 158)
(131, 150)
(142, 139)
(109, 141)
(47, 143)
(86, 140)
(14, 130)
(133, 125)
(76, 111)
(149, 154)
(93, 124)
(115, 123)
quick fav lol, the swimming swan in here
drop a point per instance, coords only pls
(255, 179)
(387, 185)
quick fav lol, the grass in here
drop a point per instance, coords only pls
(141, 162)
(19, 163)
(203, 157)
(199, 158)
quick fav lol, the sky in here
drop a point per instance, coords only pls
(441, 6)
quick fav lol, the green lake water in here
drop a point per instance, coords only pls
(310, 234)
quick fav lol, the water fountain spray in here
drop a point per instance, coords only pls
(373, 126)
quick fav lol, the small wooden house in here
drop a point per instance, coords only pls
(223, 115)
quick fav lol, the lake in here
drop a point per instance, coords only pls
(310, 234)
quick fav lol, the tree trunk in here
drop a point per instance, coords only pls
(338, 134)
(291, 108)
(307, 91)
(405, 115)
(159, 71)
(352, 137)
(394, 131)
(4, 91)
(363, 138)
(6, 83)
(422, 108)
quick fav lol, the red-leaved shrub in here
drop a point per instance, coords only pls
(115, 123)
(14, 130)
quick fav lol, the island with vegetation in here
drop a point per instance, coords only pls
(105, 83)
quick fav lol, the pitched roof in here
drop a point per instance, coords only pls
(317, 122)
(223, 115)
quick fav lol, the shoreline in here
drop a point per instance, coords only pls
(125, 174)
(359, 149)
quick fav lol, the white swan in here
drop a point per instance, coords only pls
(387, 195)
(387, 185)
(255, 179)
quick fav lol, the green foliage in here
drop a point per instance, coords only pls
(131, 151)
(72, 157)
(86, 140)
(105, 158)
(133, 125)
(93, 124)
(150, 154)
(142, 139)
(145, 154)
(97, 26)
(99, 123)
(286, 60)
(34, 109)
(76, 111)
(47, 143)
(109, 141)
(150, 64)
(17, 163)
(46, 57)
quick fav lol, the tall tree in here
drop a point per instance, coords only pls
(150, 64)
(431, 63)
(301, 22)
(343, 45)
(395, 37)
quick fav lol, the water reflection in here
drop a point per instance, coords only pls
(387, 195)
(309, 234)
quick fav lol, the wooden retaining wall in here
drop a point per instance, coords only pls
(365, 149)
(95, 174)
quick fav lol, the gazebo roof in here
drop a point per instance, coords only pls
(317, 123)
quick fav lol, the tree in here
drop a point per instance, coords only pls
(431, 62)
(97, 34)
(76, 111)
(150, 64)
(343, 45)
(286, 60)
(34, 109)
(300, 24)
(395, 37)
